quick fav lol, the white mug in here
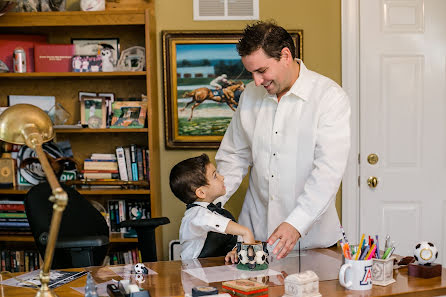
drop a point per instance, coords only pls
(356, 275)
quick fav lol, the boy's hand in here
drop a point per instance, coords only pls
(231, 257)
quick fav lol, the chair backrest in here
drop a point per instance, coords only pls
(80, 221)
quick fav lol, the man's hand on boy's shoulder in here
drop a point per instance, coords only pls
(231, 257)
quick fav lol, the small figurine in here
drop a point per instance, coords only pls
(140, 268)
(90, 287)
(108, 63)
(303, 284)
(252, 256)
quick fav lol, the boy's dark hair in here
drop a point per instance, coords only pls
(267, 36)
(187, 176)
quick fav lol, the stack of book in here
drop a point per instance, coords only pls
(13, 218)
(100, 167)
(133, 163)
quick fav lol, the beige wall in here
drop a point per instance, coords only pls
(321, 24)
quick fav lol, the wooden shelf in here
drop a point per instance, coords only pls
(20, 190)
(106, 130)
(88, 75)
(114, 238)
(73, 18)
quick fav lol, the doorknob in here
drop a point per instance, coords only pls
(372, 182)
(372, 159)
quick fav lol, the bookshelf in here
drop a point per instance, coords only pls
(133, 28)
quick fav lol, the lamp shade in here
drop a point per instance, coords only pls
(22, 122)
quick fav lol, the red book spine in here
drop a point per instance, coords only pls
(53, 57)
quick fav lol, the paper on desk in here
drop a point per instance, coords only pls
(227, 272)
(127, 270)
(32, 279)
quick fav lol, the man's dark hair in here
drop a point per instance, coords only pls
(267, 36)
(187, 176)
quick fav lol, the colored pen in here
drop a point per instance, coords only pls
(386, 253)
(371, 252)
(343, 234)
(391, 252)
(359, 247)
(364, 253)
(377, 247)
(346, 251)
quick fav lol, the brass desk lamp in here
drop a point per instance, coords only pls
(28, 124)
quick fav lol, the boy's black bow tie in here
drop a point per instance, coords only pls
(214, 207)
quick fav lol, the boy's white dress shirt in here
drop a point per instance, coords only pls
(195, 225)
(298, 151)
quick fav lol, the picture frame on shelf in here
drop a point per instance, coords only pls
(92, 46)
(129, 114)
(82, 63)
(93, 112)
(86, 94)
(109, 99)
(191, 61)
(46, 103)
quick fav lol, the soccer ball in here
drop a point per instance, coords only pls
(425, 253)
(260, 257)
(243, 257)
(141, 268)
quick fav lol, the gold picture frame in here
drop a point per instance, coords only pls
(191, 60)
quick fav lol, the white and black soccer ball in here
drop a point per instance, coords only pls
(140, 268)
(243, 257)
(260, 257)
(425, 253)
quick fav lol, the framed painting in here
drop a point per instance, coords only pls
(203, 78)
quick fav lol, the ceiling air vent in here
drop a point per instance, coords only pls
(207, 10)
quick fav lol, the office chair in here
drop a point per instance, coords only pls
(145, 229)
(83, 236)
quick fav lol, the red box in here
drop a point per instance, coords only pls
(8, 42)
(53, 57)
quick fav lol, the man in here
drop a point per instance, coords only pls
(219, 81)
(292, 127)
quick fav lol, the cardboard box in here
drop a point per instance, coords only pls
(53, 57)
(9, 42)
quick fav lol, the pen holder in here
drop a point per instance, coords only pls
(252, 256)
(356, 274)
(382, 271)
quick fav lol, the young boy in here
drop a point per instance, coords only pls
(207, 230)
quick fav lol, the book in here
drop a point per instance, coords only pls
(139, 163)
(128, 163)
(121, 163)
(245, 287)
(53, 57)
(133, 162)
(99, 175)
(90, 164)
(96, 156)
(31, 279)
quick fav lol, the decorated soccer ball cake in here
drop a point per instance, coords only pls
(425, 253)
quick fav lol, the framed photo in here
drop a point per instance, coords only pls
(92, 46)
(93, 112)
(86, 63)
(46, 103)
(202, 81)
(129, 114)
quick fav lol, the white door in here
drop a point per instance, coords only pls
(402, 91)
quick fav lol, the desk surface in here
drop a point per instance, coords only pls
(170, 278)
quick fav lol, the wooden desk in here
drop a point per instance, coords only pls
(168, 282)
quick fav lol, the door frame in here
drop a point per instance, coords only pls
(350, 83)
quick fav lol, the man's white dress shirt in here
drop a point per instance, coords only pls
(195, 225)
(297, 149)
